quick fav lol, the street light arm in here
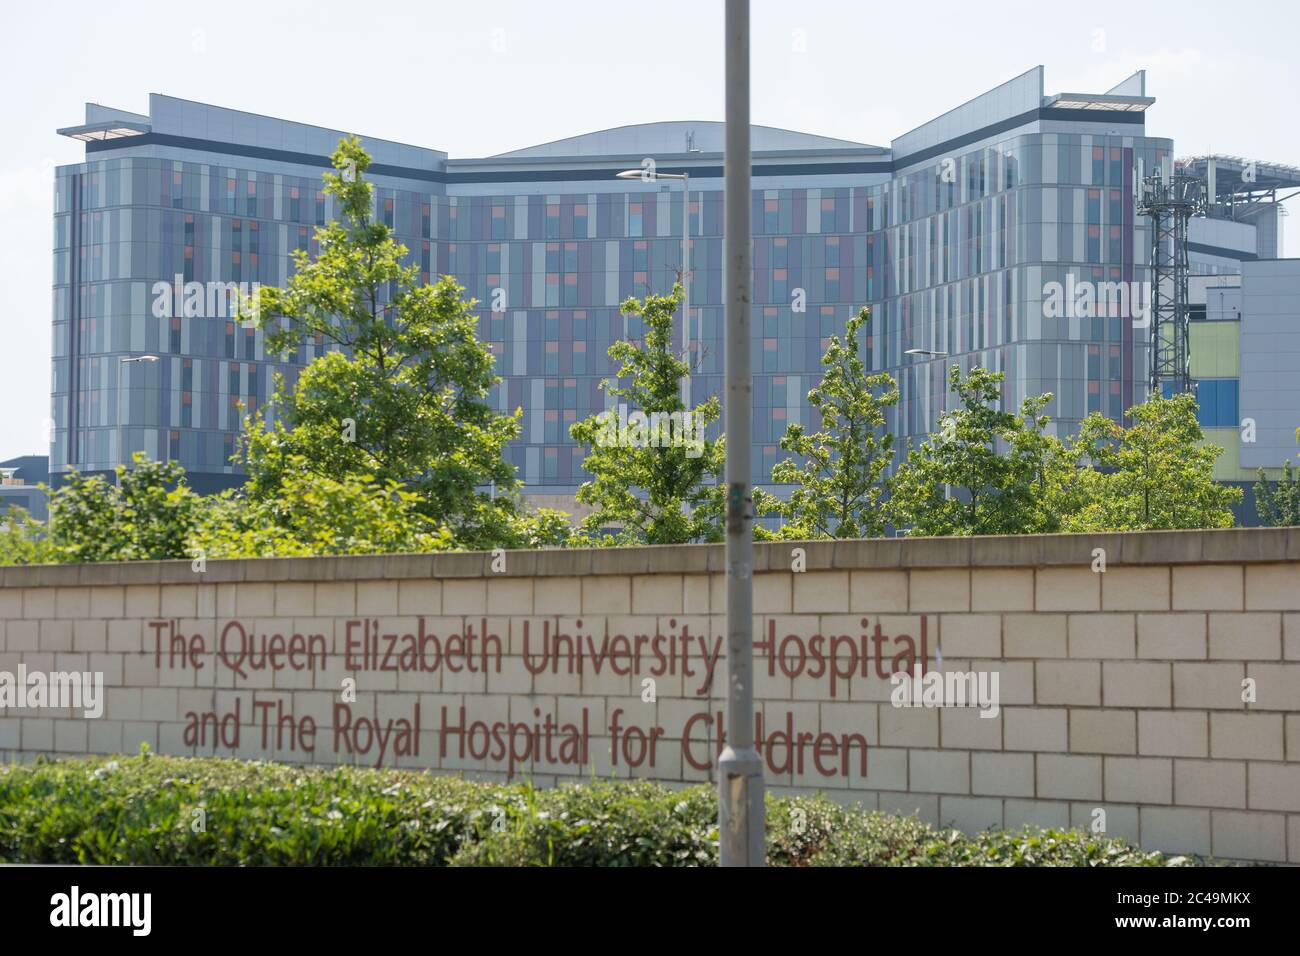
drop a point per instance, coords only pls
(648, 175)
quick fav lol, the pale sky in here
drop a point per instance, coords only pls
(427, 73)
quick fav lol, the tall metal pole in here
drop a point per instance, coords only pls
(686, 288)
(121, 433)
(121, 449)
(740, 772)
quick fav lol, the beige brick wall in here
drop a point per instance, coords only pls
(1164, 690)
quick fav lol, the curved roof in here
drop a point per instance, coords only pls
(673, 137)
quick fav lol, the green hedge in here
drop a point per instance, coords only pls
(169, 810)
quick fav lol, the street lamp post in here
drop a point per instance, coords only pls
(648, 175)
(931, 353)
(121, 432)
(741, 839)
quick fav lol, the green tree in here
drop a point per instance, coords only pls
(316, 515)
(23, 539)
(841, 480)
(149, 514)
(402, 396)
(985, 471)
(658, 479)
(152, 514)
(1155, 474)
(1279, 506)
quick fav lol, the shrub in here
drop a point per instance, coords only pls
(603, 824)
(23, 539)
(146, 514)
(314, 515)
(154, 810)
(151, 513)
(142, 810)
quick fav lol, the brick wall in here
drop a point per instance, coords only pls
(1164, 690)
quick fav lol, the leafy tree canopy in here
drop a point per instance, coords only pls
(840, 483)
(401, 398)
(1278, 504)
(147, 515)
(1155, 474)
(655, 476)
(986, 471)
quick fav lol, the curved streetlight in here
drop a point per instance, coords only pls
(650, 175)
(121, 432)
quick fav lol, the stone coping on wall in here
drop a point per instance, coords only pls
(1230, 545)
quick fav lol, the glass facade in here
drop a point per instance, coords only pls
(952, 248)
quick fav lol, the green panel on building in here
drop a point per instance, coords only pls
(1215, 349)
(1228, 466)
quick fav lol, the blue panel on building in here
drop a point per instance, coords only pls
(1218, 401)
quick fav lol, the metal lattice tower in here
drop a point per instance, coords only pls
(1169, 199)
